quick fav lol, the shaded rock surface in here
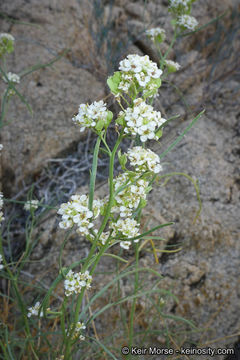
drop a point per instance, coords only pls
(54, 93)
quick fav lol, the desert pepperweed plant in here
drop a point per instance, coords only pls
(112, 221)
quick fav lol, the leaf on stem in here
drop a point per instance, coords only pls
(113, 82)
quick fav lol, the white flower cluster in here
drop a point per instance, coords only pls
(2, 218)
(139, 70)
(187, 22)
(138, 64)
(172, 66)
(1, 147)
(144, 159)
(126, 82)
(6, 43)
(1, 200)
(89, 115)
(12, 78)
(77, 331)
(103, 237)
(179, 4)
(31, 205)
(142, 120)
(74, 282)
(127, 200)
(5, 36)
(1, 205)
(77, 212)
(34, 310)
(1, 259)
(156, 33)
(128, 228)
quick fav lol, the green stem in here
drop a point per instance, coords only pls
(111, 188)
(106, 145)
(93, 248)
(28, 244)
(133, 307)
(4, 64)
(169, 49)
(179, 138)
(4, 106)
(20, 301)
(156, 43)
(125, 101)
(62, 322)
(93, 173)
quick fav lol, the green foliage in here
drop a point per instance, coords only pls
(113, 82)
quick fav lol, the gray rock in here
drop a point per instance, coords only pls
(54, 93)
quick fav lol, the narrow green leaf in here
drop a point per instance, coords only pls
(42, 66)
(100, 124)
(4, 102)
(103, 347)
(179, 138)
(93, 174)
(109, 119)
(116, 257)
(205, 25)
(120, 120)
(126, 298)
(113, 82)
(148, 232)
(59, 278)
(112, 282)
(12, 86)
(159, 133)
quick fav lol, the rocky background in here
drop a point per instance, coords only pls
(45, 148)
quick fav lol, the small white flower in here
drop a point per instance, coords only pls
(77, 331)
(1, 147)
(172, 66)
(187, 22)
(156, 33)
(140, 71)
(144, 159)
(89, 115)
(1, 200)
(1, 260)
(125, 244)
(80, 326)
(143, 79)
(5, 36)
(104, 237)
(1, 205)
(179, 4)
(127, 200)
(31, 205)
(142, 120)
(76, 211)
(6, 43)
(74, 282)
(127, 227)
(2, 218)
(34, 310)
(12, 78)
